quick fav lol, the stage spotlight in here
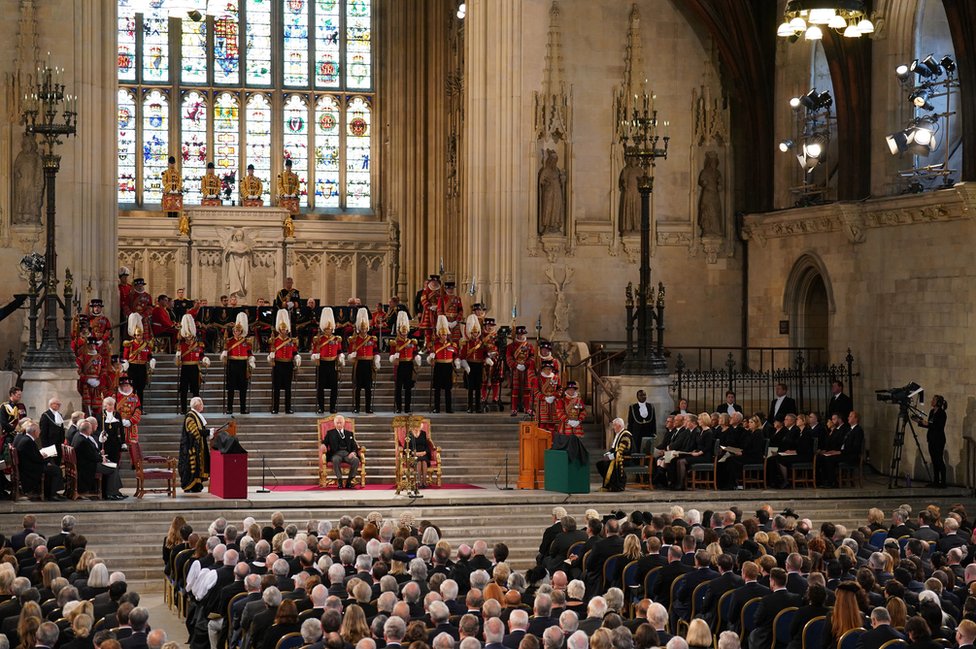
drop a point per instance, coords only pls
(920, 69)
(920, 98)
(810, 99)
(786, 145)
(815, 147)
(824, 100)
(903, 72)
(795, 103)
(948, 64)
(897, 142)
(807, 163)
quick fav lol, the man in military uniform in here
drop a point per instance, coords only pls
(288, 298)
(163, 325)
(80, 332)
(251, 189)
(571, 411)
(182, 305)
(445, 359)
(545, 354)
(491, 387)
(110, 376)
(520, 359)
(327, 351)
(547, 392)
(285, 360)
(189, 357)
(453, 308)
(125, 295)
(288, 188)
(11, 412)
(364, 349)
(141, 303)
(392, 313)
(304, 318)
(474, 357)
(172, 189)
(137, 358)
(404, 355)
(128, 408)
(90, 373)
(100, 326)
(240, 361)
(210, 187)
(430, 306)
(263, 326)
(479, 310)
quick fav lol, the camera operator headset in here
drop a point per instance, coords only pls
(936, 438)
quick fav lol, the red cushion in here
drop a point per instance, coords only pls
(157, 473)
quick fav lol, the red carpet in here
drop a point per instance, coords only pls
(369, 487)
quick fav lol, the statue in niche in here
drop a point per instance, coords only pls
(710, 217)
(552, 203)
(560, 309)
(28, 184)
(237, 245)
(630, 208)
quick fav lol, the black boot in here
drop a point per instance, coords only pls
(447, 401)
(244, 402)
(369, 400)
(230, 402)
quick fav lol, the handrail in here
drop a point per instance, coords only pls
(601, 352)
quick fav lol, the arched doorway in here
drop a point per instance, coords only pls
(808, 303)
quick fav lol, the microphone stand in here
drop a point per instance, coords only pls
(263, 489)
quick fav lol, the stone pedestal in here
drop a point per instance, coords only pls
(42, 384)
(656, 386)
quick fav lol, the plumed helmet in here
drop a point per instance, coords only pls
(403, 321)
(241, 321)
(473, 325)
(124, 271)
(362, 319)
(327, 319)
(188, 328)
(282, 319)
(135, 324)
(442, 326)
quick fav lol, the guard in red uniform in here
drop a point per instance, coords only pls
(285, 360)
(431, 299)
(491, 387)
(327, 351)
(100, 327)
(453, 308)
(545, 354)
(90, 364)
(520, 359)
(162, 320)
(137, 358)
(128, 407)
(405, 357)
(364, 349)
(445, 359)
(80, 332)
(547, 392)
(240, 361)
(572, 411)
(140, 302)
(474, 357)
(125, 294)
(189, 357)
(110, 376)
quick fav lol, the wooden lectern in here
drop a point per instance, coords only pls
(533, 443)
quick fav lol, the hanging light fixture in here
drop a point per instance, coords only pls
(809, 17)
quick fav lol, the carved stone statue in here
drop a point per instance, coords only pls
(630, 215)
(237, 246)
(28, 184)
(560, 309)
(711, 220)
(552, 201)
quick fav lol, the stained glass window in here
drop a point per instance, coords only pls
(357, 153)
(295, 36)
(327, 152)
(258, 54)
(247, 82)
(227, 62)
(358, 59)
(258, 140)
(127, 41)
(227, 140)
(296, 141)
(193, 68)
(327, 43)
(155, 44)
(193, 148)
(155, 144)
(127, 146)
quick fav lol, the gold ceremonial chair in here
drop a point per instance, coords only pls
(326, 473)
(401, 425)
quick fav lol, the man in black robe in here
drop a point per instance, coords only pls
(194, 462)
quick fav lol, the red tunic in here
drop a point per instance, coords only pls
(521, 382)
(141, 303)
(137, 352)
(100, 326)
(556, 366)
(238, 349)
(474, 350)
(125, 295)
(128, 407)
(453, 308)
(571, 409)
(445, 351)
(284, 348)
(162, 323)
(191, 352)
(406, 348)
(547, 395)
(328, 347)
(430, 302)
(363, 346)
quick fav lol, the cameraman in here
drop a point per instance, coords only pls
(937, 439)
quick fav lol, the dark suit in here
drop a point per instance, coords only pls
(260, 625)
(796, 584)
(33, 466)
(788, 407)
(950, 541)
(662, 587)
(444, 628)
(682, 605)
(51, 433)
(876, 637)
(601, 552)
(803, 615)
(647, 563)
(560, 545)
(713, 593)
(927, 534)
(513, 639)
(135, 641)
(89, 457)
(853, 448)
(742, 595)
(538, 625)
(840, 404)
(762, 635)
(548, 537)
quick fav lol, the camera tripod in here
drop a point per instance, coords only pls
(905, 412)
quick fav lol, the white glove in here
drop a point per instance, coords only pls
(316, 357)
(489, 362)
(270, 357)
(342, 359)
(520, 367)
(432, 308)
(102, 438)
(467, 368)
(376, 361)
(573, 423)
(205, 361)
(352, 356)
(550, 399)
(457, 363)
(126, 423)
(452, 325)
(152, 363)
(125, 447)
(93, 382)
(290, 305)
(223, 356)
(418, 360)
(125, 366)
(297, 360)
(179, 355)
(430, 358)
(251, 363)
(394, 358)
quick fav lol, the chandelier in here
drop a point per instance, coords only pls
(810, 17)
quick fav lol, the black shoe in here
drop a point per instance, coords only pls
(333, 411)
(436, 410)
(469, 411)
(319, 411)
(407, 411)
(245, 412)
(515, 413)
(355, 411)
(340, 485)
(289, 412)
(58, 497)
(449, 411)
(396, 411)
(349, 484)
(227, 412)
(369, 412)
(274, 412)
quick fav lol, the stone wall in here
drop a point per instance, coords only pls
(901, 287)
